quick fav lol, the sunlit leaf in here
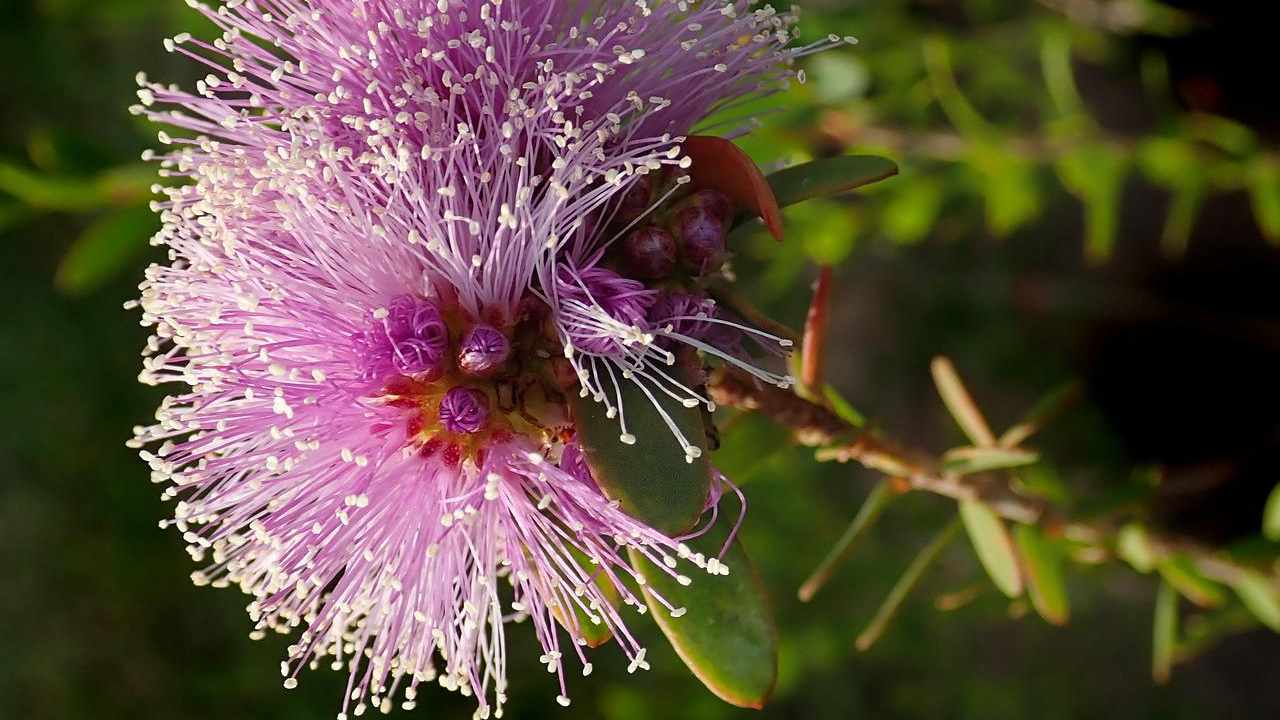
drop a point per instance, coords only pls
(991, 542)
(830, 176)
(127, 185)
(1043, 564)
(1264, 191)
(725, 632)
(970, 460)
(1096, 174)
(1164, 636)
(1182, 574)
(650, 477)
(884, 615)
(1133, 546)
(960, 403)
(109, 245)
(1259, 594)
(1009, 186)
(1271, 516)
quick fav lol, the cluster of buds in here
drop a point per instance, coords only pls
(690, 235)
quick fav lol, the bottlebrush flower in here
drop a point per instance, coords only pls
(396, 213)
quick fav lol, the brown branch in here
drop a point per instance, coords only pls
(815, 426)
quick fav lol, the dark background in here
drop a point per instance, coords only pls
(979, 250)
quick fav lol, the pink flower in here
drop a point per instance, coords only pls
(394, 211)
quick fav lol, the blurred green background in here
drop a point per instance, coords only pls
(1064, 163)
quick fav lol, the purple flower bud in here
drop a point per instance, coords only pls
(464, 410)
(650, 252)
(716, 202)
(701, 235)
(483, 351)
(407, 336)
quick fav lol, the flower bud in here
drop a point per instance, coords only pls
(636, 200)
(483, 351)
(464, 410)
(716, 202)
(650, 253)
(407, 336)
(701, 235)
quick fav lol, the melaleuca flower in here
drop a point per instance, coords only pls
(398, 215)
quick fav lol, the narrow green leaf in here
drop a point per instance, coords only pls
(1164, 636)
(105, 248)
(1259, 594)
(960, 403)
(1096, 174)
(876, 502)
(842, 407)
(970, 460)
(123, 186)
(726, 633)
(905, 585)
(1043, 564)
(1182, 574)
(651, 477)
(1271, 516)
(1264, 191)
(1043, 412)
(831, 176)
(1133, 546)
(991, 541)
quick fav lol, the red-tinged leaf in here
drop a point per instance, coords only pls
(720, 165)
(815, 332)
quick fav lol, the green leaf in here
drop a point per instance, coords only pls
(1009, 186)
(842, 407)
(911, 211)
(726, 634)
(1264, 191)
(970, 460)
(110, 244)
(1164, 635)
(1271, 516)
(1096, 174)
(1043, 564)
(991, 541)
(960, 403)
(1182, 574)
(1259, 594)
(651, 478)
(1133, 546)
(123, 186)
(832, 176)
(905, 585)
(876, 502)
